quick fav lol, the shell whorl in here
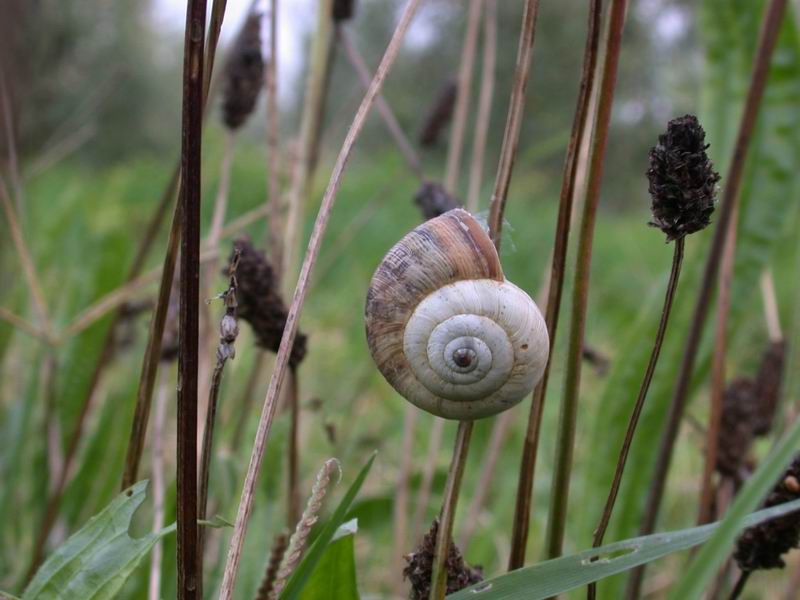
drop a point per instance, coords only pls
(446, 329)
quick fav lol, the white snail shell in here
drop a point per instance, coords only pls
(446, 329)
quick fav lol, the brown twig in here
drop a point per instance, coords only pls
(189, 579)
(718, 373)
(770, 25)
(484, 104)
(516, 105)
(566, 434)
(463, 89)
(580, 131)
(282, 360)
(15, 320)
(672, 285)
(362, 70)
(293, 499)
(448, 513)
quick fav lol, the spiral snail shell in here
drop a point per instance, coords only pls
(446, 329)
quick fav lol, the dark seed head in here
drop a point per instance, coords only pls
(419, 567)
(682, 179)
(343, 10)
(762, 546)
(244, 74)
(433, 200)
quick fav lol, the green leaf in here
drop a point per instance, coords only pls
(563, 574)
(95, 562)
(304, 570)
(335, 575)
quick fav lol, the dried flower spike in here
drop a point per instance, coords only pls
(682, 179)
(260, 304)
(343, 10)
(271, 573)
(768, 382)
(420, 567)
(761, 546)
(433, 200)
(739, 406)
(244, 74)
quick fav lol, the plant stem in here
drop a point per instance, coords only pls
(191, 136)
(522, 510)
(448, 513)
(484, 104)
(768, 34)
(360, 66)
(274, 202)
(677, 259)
(159, 419)
(565, 443)
(770, 301)
(718, 373)
(740, 583)
(310, 136)
(290, 330)
(293, 499)
(463, 90)
(516, 105)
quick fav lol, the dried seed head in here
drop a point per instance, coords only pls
(343, 10)
(419, 569)
(433, 200)
(768, 382)
(439, 116)
(761, 546)
(682, 179)
(244, 74)
(739, 405)
(260, 304)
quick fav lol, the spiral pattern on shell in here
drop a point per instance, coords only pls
(446, 329)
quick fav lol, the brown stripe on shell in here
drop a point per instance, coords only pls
(449, 248)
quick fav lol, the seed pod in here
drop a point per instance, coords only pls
(439, 116)
(682, 179)
(419, 568)
(768, 382)
(244, 74)
(433, 200)
(762, 546)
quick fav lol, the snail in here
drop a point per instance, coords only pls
(446, 329)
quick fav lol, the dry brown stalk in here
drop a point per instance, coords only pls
(424, 493)
(484, 104)
(159, 424)
(516, 106)
(768, 34)
(277, 551)
(282, 360)
(718, 372)
(400, 517)
(770, 302)
(463, 88)
(274, 201)
(16, 321)
(579, 139)
(293, 499)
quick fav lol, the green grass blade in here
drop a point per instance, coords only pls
(302, 574)
(560, 575)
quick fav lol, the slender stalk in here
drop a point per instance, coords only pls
(11, 145)
(273, 141)
(400, 516)
(424, 493)
(159, 424)
(290, 330)
(718, 373)
(770, 301)
(247, 401)
(188, 353)
(484, 104)
(565, 443)
(770, 25)
(144, 392)
(740, 583)
(293, 499)
(310, 135)
(362, 70)
(672, 285)
(15, 320)
(458, 130)
(448, 513)
(516, 105)
(555, 287)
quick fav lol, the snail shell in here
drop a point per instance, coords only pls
(446, 329)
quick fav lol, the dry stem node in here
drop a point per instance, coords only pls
(682, 179)
(260, 303)
(419, 569)
(244, 74)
